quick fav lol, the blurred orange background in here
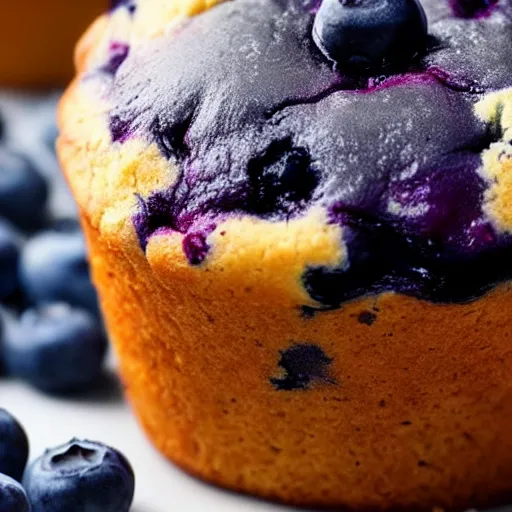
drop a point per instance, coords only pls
(37, 39)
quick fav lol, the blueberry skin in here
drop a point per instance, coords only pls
(2, 329)
(9, 255)
(54, 268)
(13, 446)
(12, 496)
(23, 191)
(370, 34)
(56, 348)
(80, 476)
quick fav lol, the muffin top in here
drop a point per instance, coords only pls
(187, 117)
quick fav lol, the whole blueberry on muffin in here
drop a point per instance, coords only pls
(300, 222)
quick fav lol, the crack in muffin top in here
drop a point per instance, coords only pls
(259, 123)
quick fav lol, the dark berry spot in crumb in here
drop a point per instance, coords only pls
(303, 364)
(367, 317)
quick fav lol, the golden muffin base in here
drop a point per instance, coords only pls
(420, 415)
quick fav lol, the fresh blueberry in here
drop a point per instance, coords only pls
(80, 476)
(7, 317)
(23, 191)
(65, 225)
(56, 348)
(2, 328)
(370, 34)
(54, 268)
(12, 496)
(50, 132)
(13, 446)
(9, 254)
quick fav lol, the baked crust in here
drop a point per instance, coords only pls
(412, 411)
(420, 415)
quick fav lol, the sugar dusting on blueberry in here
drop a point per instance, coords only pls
(370, 34)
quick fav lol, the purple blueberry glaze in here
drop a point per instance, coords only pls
(259, 123)
(472, 8)
(117, 55)
(196, 247)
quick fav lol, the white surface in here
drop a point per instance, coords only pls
(104, 416)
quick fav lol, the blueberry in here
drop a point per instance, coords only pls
(13, 446)
(9, 254)
(2, 328)
(370, 34)
(54, 268)
(12, 496)
(65, 225)
(23, 191)
(80, 476)
(50, 133)
(56, 348)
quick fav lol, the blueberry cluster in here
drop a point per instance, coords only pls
(77, 476)
(51, 334)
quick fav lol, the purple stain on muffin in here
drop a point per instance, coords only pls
(473, 8)
(304, 365)
(274, 133)
(120, 129)
(196, 247)
(117, 53)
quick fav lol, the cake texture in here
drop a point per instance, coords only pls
(305, 266)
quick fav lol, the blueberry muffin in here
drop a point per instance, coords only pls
(36, 40)
(300, 223)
